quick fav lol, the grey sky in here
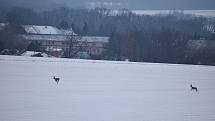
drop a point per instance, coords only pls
(131, 4)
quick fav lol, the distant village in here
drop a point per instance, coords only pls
(53, 42)
(98, 34)
(50, 41)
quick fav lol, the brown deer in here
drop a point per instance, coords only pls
(193, 88)
(56, 79)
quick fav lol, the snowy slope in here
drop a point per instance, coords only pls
(33, 29)
(205, 13)
(103, 91)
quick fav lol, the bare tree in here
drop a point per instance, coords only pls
(74, 45)
(9, 38)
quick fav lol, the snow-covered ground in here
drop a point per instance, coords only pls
(205, 13)
(103, 91)
(44, 30)
(33, 53)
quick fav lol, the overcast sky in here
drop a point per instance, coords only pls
(131, 4)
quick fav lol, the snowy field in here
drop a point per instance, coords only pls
(205, 13)
(104, 91)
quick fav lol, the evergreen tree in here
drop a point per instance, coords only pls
(85, 29)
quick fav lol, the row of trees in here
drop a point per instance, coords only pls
(165, 45)
(102, 21)
(134, 37)
(9, 38)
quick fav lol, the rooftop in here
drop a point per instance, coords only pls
(35, 29)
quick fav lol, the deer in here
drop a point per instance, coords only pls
(193, 88)
(56, 79)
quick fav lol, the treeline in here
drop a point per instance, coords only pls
(9, 39)
(135, 37)
(102, 21)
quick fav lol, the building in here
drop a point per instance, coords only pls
(54, 40)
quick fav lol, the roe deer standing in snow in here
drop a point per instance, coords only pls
(56, 79)
(193, 88)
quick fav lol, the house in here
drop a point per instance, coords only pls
(54, 40)
(95, 45)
